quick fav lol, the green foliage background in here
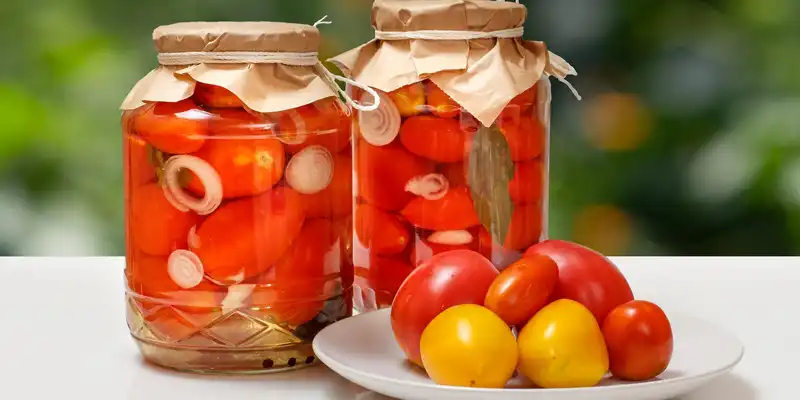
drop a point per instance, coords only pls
(687, 140)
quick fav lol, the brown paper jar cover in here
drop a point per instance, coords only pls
(262, 87)
(481, 75)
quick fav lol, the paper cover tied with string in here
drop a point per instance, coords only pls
(270, 66)
(430, 39)
(458, 148)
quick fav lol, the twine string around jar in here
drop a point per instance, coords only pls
(307, 59)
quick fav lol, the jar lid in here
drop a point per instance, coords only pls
(455, 15)
(471, 49)
(236, 36)
(233, 55)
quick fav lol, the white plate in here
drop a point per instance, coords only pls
(363, 350)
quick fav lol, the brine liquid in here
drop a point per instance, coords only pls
(238, 232)
(445, 182)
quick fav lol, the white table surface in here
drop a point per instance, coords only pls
(63, 332)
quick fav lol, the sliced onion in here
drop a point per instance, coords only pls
(185, 268)
(431, 186)
(379, 127)
(300, 130)
(453, 238)
(364, 299)
(311, 170)
(235, 299)
(204, 172)
(192, 239)
(370, 301)
(358, 299)
(172, 200)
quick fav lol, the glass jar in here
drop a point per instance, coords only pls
(456, 156)
(238, 221)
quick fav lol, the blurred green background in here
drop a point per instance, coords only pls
(687, 141)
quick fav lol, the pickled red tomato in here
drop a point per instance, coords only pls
(325, 123)
(293, 291)
(409, 99)
(215, 96)
(456, 173)
(306, 261)
(136, 161)
(520, 107)
(385, 275)
(525, 100)
(527, 186)
(245, 237)
(379, 231)
(336, 199)
(438, 139)
(176, 128)
(245, 166)
(454, 211)
(440, 103)
(526, 138)
(383, 172)
(525, 228)
(156, 226)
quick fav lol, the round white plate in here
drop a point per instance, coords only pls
(363, 350)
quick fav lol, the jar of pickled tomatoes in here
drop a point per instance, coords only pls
(238, 199)
(456, 156)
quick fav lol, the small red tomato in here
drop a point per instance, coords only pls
(639, 339)
(447, 279)
(379, 231)
(522, 289)
(585, 276)
(385, 277)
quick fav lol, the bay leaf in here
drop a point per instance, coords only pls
(489, 171)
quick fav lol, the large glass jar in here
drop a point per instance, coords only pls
(456, 156)
(238, 221)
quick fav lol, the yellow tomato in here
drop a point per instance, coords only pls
(468, 345)
(562, 346)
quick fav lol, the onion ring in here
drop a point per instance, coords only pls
(430, 186)
(185, 269)
(311, 170)
(454, 238)
(207, 175)
(379, 127)
(300, 131)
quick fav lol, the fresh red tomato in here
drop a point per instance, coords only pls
(447, 279)
(585, 276)
(639, 339)
(522, 289)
